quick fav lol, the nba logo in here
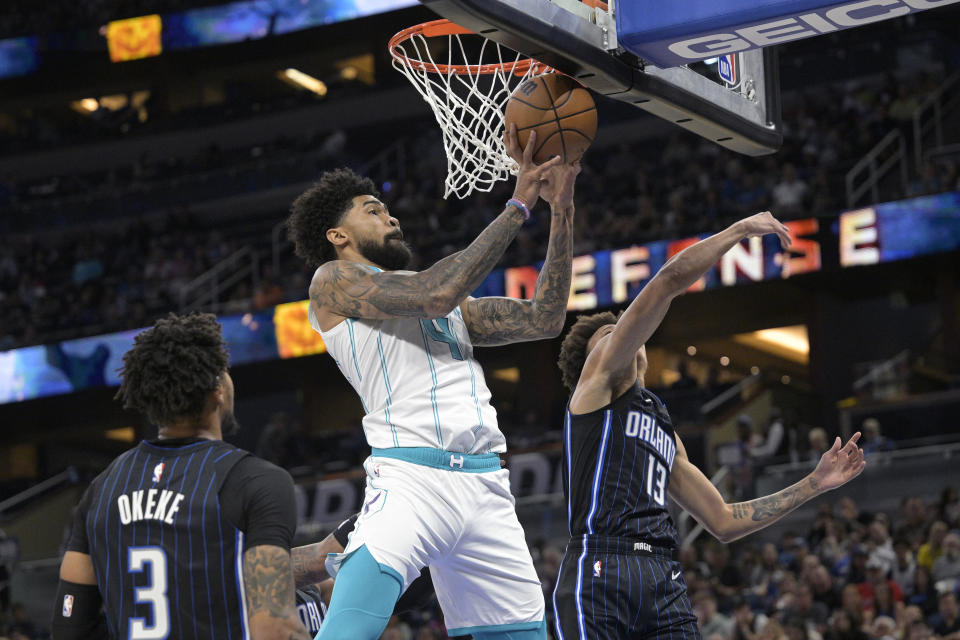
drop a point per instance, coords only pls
(596, 569)
(67, 605)
(727, 68)
(157, 472)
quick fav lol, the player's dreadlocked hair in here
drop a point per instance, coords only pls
(173, 367)
(320, 208)
(573, 351)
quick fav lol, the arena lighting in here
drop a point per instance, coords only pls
(724, 361)
(790, 342)
(785, 379)
(303, 80)
(124, 434)
(89, 104)
(754, 370)
(508, 374)
(691, 350)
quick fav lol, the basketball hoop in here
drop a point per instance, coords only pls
(467, 89)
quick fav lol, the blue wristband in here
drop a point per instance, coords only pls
(519, 204)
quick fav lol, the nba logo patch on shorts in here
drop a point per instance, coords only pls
(67, 606)
(596, 569)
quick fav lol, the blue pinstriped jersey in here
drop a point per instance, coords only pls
(616, 470)
(168, 562)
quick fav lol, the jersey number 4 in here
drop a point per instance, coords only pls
(154, 561)
(440, 331)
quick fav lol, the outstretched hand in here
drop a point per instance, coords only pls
(839, 465)
(763, 223)
(557, 185)
(528, 184)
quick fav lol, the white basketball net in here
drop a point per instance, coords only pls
(467, 98)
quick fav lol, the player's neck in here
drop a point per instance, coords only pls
(350, 255)
(204, 430)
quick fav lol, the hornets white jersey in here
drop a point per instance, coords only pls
(418, 381)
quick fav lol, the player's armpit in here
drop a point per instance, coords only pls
(271, 597)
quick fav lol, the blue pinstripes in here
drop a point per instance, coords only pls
(613, 500)
(206, 562)
(193, 600)
(241, 591)
(433, 389)
(386, 381)
(577, 592)
(353, 349)
(120, 550)
(556, 610)
(173, 470)
(593, 508)
(176, 547)
(223, 555)
(473, 375)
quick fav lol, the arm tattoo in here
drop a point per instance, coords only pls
(308, 564)
(777, 505)
(349, 290)
(496, 321)
(268, 583)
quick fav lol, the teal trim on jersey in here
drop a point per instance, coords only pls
(516, 631)
(441, 459)
(386, 380)
(433, 389)
(473, 376)
(353, 350)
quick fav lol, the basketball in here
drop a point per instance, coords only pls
(561, 112)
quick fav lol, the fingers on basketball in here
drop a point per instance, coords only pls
(558, 113)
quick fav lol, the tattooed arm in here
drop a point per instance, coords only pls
(351, 290)
(727, 522)
(271, 601)
(494, 320)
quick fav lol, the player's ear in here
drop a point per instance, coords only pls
(337, 237)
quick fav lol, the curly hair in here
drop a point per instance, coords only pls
(320, 208)
(172, 367)
(573, 351)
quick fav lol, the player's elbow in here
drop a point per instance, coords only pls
(670, 279)
(440, 302)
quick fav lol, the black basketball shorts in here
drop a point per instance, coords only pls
(614, 588)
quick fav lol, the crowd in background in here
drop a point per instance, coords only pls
(83, 282)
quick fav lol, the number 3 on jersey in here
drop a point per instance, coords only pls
(154, 594)
(656, 487)
(441, 331)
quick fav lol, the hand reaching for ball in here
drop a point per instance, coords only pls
(557, 186)
(530, 174)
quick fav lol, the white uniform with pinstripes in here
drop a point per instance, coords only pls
(418, 382)
(421, 387)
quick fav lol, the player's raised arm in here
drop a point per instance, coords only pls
(347, 288)
(727, 522)
(498, 320)
(615, 353)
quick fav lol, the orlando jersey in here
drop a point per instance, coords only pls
(616, 471)
(168, 563)
(418, 381)
(311, 608)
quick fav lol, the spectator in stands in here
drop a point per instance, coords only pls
(876, 578)
(726, 579)
(883, 602)
(19, 623)
(747, 624)
(880, 544)
(924, 591)
(946, 622)
(946, 568)
(913, 521)
(711, 621)
(930, 550)
(904, 568)
(817, 438)
(685, 380)
(883, 628)
(918, 630)
(805, 608)
(852, 604)
(843, 626)
(772, 443)
(948, 507)
(823, 589)
(873, 440)
(789, 194)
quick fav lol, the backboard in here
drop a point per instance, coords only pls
(581, 40)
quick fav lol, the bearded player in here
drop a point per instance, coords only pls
(436, 494)
(622, 459)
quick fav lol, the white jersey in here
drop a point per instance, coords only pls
(418, 381)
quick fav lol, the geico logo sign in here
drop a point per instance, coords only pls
(853, 14)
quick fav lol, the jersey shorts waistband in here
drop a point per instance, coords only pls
(440, 459)
(606, 544)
